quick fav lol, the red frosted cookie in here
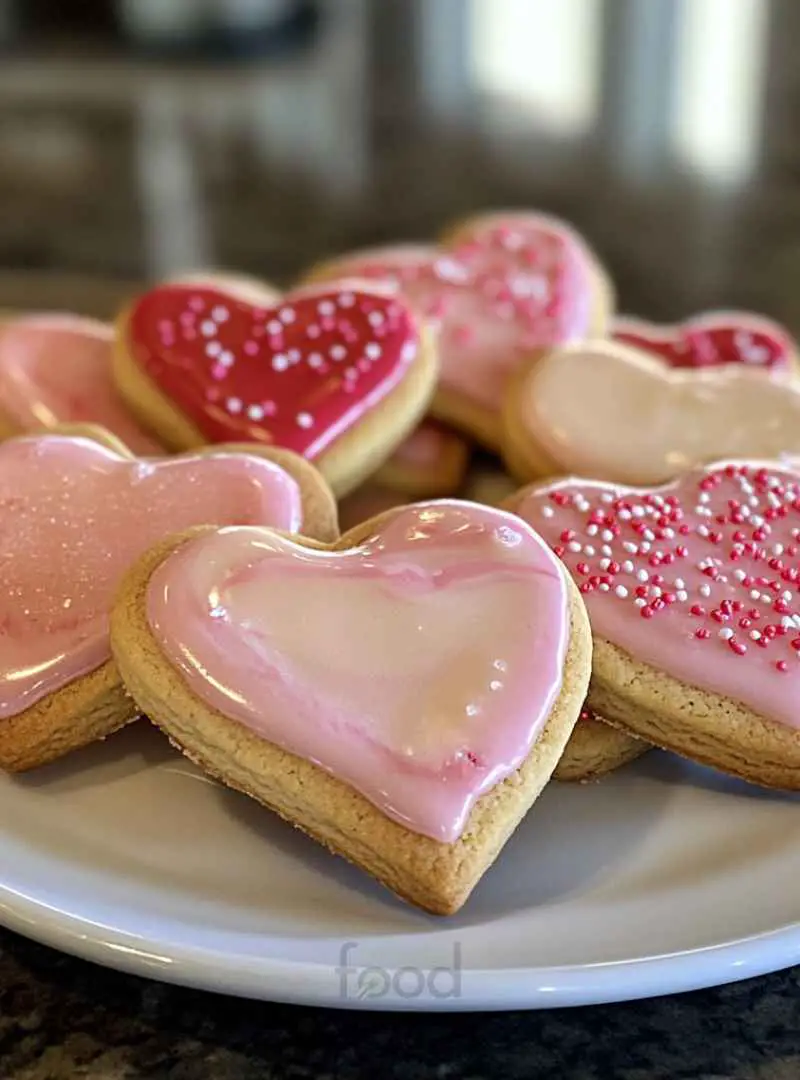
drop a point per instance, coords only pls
(692, 590)
(431, 462)
(499, 290)
(339, 375)
(613, 412)
(713, 339)
(414, 743)
(56, 369)
(75, 511)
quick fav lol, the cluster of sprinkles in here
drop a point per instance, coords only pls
(722, 555)
(278, 366)
(529, 276)
(709, 342)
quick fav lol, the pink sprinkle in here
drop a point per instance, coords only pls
(250, 348)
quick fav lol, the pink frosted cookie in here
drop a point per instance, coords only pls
(75, 511)
(56, 369)
(412, 744)
(498, 291)
(692, 590)
(431, 462)
(339, 375)
(612, 412)
(713, 339)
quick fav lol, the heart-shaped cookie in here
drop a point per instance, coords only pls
(337, 375)
(692, 590)
(615, 413)
(499, 290)
(713, 339)
(56, 369)
(402, 696)
(595, 749)
(75, 512)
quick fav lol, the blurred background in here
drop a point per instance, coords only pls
(139, 138)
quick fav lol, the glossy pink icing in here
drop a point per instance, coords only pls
(74, 516)
(699, 578)
(56, 369)
(419, 668)
(510, 287)
(712, 339)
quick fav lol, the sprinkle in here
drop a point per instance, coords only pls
(304, 420)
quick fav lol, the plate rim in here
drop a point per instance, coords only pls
(300, 982)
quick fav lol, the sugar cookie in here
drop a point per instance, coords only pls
(616, 413)
(499, 290)
(595, 749)
(692, 589)
(339, 375)
(431, 462)
(414, 742)
(712, 339)
(56, 369)
(76, 509)
(367, 502)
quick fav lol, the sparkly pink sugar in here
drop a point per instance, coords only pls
(327, 323)
(187, 318)
(218, 371)
(197, 303)
(269, 407)
(250, 348)
(363, 364)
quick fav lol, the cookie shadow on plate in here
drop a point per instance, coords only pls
(572, 834)
(134, 748)
(674, 770)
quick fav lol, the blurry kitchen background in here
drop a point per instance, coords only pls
(145, 137)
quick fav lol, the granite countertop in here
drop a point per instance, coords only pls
(118, 171)
(63, 1019)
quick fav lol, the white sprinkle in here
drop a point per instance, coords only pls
(274, 327)
(574, 546)
(777, 549)
(754, 594)
(213, 348)
(606, 549)
(588, 550)
(208, 328)
(648, 534)
(373, 350)
(603, 587)
(703, 497)
(376, 318)
(640, 601)
(702, 530)
(604, 564)
(234, 405)
(226, 358)
(644, 547)
(606, 497)
(796, 620)
(346, 299)
(627, 566)
(726, 633)
(592, 530)
(786, 622)
(786, 596)
(280, 362)
(638, 511)
(287, 315)
(255, 412)
(607, 535)
(547, 511)
(625, 515)
(755, 635)
(705, 589)
(326, 307)
(680, 583)
(220, 314)
(669, 534)
(337, 352)
(642, 575)
(740, 575)
(315, 360)
(304, 420)
(630, 547)
(621, 591)
(682, 595)
(766, 597)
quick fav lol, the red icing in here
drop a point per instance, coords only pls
(296, 375)
(711, 340)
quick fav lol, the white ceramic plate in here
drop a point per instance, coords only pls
(662, 878)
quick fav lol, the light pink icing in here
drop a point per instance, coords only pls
(426, 447)
(699, 578)
(56, 369)
(419, 668)
(74, 516)
(506, 289)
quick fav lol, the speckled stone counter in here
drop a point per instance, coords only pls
(63, 1019)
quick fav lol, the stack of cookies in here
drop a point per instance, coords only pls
(392, 550)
